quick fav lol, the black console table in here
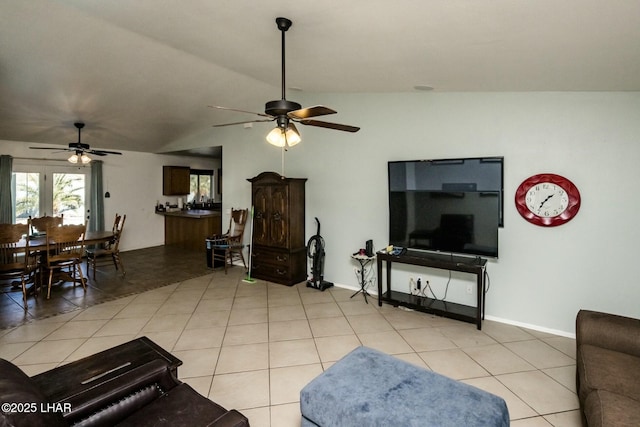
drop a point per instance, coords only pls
(456, 311)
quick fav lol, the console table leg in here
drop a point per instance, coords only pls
(379, 268)
(479, 306)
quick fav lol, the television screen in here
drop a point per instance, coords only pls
(446, 205)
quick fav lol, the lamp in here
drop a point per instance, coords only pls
(79, 156)
(284, 138)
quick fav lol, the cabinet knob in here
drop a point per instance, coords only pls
(277, 216)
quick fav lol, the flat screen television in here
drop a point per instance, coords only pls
(452, 205)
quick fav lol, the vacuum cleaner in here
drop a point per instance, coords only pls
(315, 251)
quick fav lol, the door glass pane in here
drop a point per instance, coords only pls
(205, 186)
(193, 188)
(69, 197)
(27, 191)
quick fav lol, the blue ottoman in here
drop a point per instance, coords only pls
(368, 388)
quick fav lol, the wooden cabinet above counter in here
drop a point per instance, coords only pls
(175, 180)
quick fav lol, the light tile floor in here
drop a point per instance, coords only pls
(252, 347)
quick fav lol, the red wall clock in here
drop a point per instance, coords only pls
(547, 200)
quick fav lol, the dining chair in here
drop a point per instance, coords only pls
(111, 249)
(40, 224)
(228, 247)
(16, 260)
(65, 248)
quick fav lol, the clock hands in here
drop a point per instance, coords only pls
(545, 201)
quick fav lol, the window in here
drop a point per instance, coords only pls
(50, 190)
(201, 186)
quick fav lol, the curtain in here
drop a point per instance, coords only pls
(96, 202)
(6, 207)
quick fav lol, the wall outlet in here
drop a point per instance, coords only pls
(469, 289)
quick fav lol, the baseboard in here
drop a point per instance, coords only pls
(374, 291)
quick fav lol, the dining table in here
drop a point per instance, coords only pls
(38, 243)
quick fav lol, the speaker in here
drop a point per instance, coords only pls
(369, 248)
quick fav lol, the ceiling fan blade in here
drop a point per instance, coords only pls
(102, 152)
(305, 113)
(238, 111)
(328, 125)
(51, 148)
(241, 123)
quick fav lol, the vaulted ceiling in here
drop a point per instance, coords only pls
(141, 73)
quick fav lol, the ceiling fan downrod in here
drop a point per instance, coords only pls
(283, 25)
(281, 107)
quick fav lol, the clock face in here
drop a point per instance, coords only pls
(547, 200)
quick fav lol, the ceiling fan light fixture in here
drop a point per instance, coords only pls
(79, 156)
(281, 138)
(293, 136)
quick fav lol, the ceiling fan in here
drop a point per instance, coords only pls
(286, 112)
(79, 149)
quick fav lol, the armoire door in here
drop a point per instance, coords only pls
(261, 207)
(279, 216)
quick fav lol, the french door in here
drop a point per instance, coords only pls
(50, 188)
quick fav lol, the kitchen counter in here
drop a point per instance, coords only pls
(195, 213)
(188, 229)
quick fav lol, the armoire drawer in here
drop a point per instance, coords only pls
(263, 255)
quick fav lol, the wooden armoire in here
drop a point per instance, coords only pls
(278, 245)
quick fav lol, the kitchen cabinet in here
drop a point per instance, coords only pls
(175, 180)
(279, 252)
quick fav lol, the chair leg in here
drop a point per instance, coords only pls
(49, 286)
(24, 291)
(79, 268)
(226, 256)
(242, 258)
(119, 258)
(91, 262)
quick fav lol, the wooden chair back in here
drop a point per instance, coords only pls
(118, 226)
(110, 250)
(13, 257)
(41, 224)
(237, 224)
(65, 243)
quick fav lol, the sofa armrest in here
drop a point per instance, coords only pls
(232, 418)
(609, 331)
(118, 397)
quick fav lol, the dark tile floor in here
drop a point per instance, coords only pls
(146, 269)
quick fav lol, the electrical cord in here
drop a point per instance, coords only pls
(487, 281)
(446, 289)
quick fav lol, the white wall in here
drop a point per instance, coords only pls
(544, 275)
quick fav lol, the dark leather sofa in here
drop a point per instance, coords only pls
(147, 395)
(608, 365)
